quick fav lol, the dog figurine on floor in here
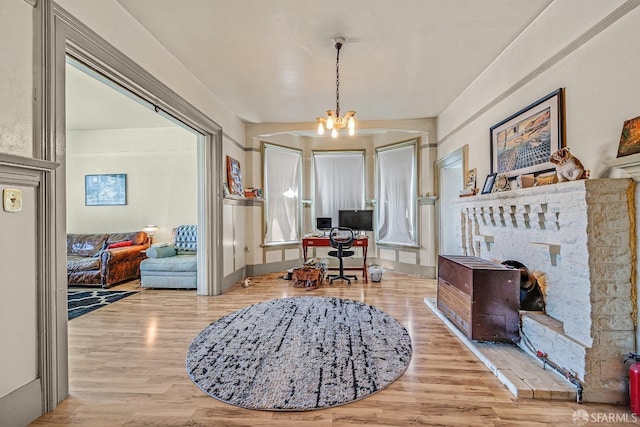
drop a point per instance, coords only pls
(568, 167)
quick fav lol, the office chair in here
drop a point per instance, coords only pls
(341, 238)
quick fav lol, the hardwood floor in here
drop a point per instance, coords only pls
(127, 367)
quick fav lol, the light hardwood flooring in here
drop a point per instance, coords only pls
(127, 367)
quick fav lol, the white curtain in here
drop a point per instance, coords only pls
(282, 186)
(396, 182)
(338, 179)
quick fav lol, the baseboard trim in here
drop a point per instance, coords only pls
(22, 406)
(428, 272)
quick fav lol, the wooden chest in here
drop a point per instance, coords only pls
(481, 297)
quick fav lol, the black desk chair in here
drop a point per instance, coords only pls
(341, 238)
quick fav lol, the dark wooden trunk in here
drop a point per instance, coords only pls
(481, 297)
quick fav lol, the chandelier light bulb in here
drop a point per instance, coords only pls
(334, 133)
(352, 131)
(330, 123)
(320, 128)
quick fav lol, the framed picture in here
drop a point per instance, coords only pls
(523, 142)
(630, 138)
(105, 190)
(471, 178)
(488, 183)
(500, 183)
(234, 177)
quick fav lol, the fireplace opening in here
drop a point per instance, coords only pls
(531, 297)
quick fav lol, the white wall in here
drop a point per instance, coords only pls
(160, 164)
(577, 45)
(18, 356)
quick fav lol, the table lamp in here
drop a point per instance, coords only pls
(150, 230)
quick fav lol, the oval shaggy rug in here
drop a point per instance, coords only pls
(299, 353)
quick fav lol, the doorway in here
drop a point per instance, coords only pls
(110, 130)
(450, 179)
(62, 35)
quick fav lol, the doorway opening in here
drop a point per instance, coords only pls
(110, 130)
(450, 179)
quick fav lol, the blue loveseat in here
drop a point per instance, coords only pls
(175, 265)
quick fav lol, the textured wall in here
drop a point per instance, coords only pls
(16, 78)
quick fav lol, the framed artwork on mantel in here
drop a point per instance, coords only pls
(234, 177)
(523, 142)
(630, 138)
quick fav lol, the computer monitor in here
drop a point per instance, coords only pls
(359, 220)
(323, 223)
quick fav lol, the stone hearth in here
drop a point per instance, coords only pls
(579, 240)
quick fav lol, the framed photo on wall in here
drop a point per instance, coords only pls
(234, 177)
(523, 142)
(105, 189)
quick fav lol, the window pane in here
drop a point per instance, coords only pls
(396, 194)
(283, 183)
(338, 179)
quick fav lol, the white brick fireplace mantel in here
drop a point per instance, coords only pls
(579, 239)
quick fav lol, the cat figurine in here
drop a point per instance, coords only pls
(568, 167)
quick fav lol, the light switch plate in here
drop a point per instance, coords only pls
(12, 200)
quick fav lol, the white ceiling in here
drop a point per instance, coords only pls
(274, 61)
(95, 103)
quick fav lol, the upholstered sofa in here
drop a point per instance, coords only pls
(173, 265)
(104, 258)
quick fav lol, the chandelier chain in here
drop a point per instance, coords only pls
(338, 46)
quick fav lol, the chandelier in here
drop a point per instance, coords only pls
(333, 121)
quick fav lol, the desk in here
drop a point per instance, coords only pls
(362, 242)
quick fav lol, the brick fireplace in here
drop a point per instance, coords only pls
(579, 239)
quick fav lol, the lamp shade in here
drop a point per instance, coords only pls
(150, 229)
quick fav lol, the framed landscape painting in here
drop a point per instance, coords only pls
(105, 189)
(523, 142)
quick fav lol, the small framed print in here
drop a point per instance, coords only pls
(501, 183)
(488, 183)
(471, 178)
(630, 138)
(234, 177)
(105, 189)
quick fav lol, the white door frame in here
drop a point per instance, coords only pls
(57, 33)
(456, 159)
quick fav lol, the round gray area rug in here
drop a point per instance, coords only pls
(299, 353)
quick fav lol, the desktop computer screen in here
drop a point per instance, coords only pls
(323, 224)
(360, 220)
